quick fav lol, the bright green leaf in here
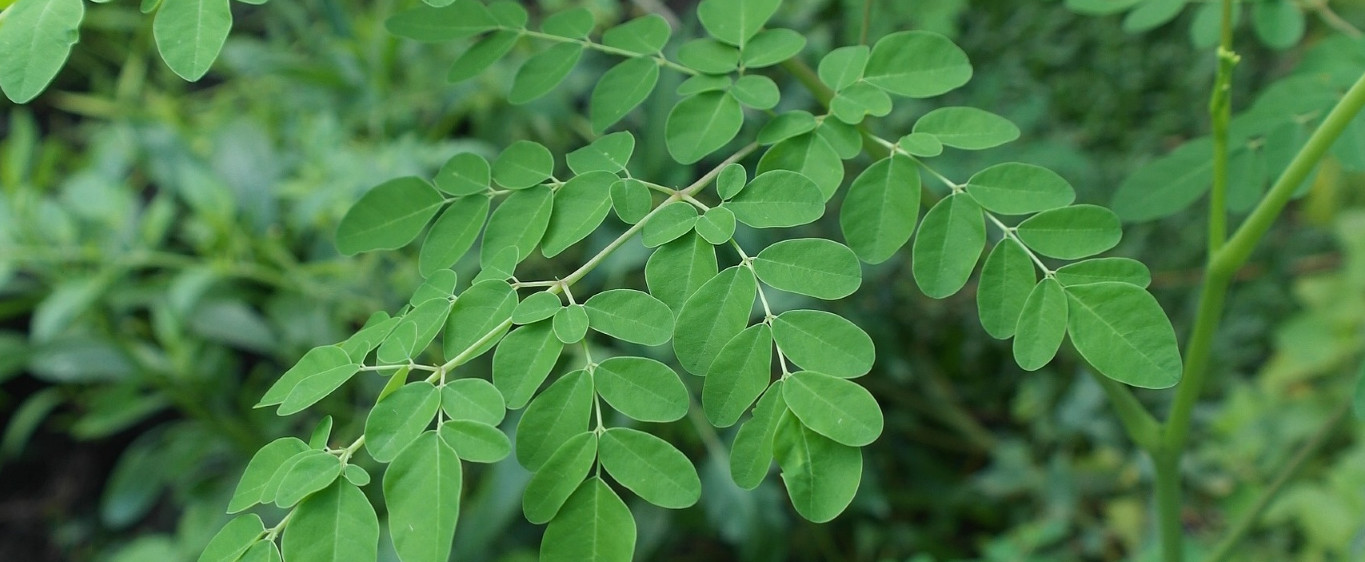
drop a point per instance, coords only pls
(556, 480)
(399, 418)
(967, 128)
(735, 21)
(337, 524)
(677, 269)
(543, 71)
(609, 153)
(1151, 14)
(642, 389)
(190, 33)
(36, 38)
(712, 316)
(702, 124)
(671, 221)
(320, 371)
(556, 415)
(631, 200)
(810, 155)
(477, 313)
(523, 360)
(594, 524)
(649, 466)
(571, 323)
(837, 408)
(519, 222)
(1100, 270)
(842, 67)
(630, 315)
(1121, 330)
(1018, 189)
(523, 164)
(879, 212)
(311, 472)
(1042, 325)
(821, 475)
(356, 475)
(716, 225)
(921, 144)
(771, 46)
(263, 551)
(917, 64)
(1166, 185)
(708, 56)
(424, 23)
(950, 241)
(473, 399)
(756, 91)
(787, 125)
(644, 35)
(824, 342)
(1071, 232)
(465, 173)
(740, 373)
(476, 441)
(704, 83)
(814, 267)
(260, 469)
(1279, 23)
(574, 23)
(778, 198)
(751, 455)
(388, 217)
(452, 234)
(1006, 281)
(852, 104)
(233, 539)
(537, 307)
(482, 55)
(580, 207)
(621, 89)
(422, 492)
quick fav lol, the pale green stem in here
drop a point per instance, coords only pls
(1220, 113)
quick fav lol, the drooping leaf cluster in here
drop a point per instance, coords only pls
(787, 378)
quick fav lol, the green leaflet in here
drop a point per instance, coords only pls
(631, 200)
(771, 46)
(556, 480)
(320, 371)
(579, 208)
(475, 441)
(440, 285)
(751, 455)
(190, 33)
(452, 234)
(560, 412)
(536, 307)
(36, 38)
(543, 71)
(844, 66)
(824, 342)
(311, 471)
(778, 198)
(482, 55)
(523, 164)
(424, 23)
(756, 91)
(523, 360)
(644, 35)
(420, 325)
(609, 153)
(422, 493)
(649, 466)
(259, 471)
(1151, 14)
(921, 144)
(388, 217)
(950, 241)
(519, 222)
(702, 124)
(845, 139)
(619, 90)
(508, 14)
(233, 539)
(1070, 233)
(1042, 325)
(465, 173)
(1100, 7)
(571, 323)
(671, 221)
(397, 348)
(820, 474)
(735, 21)
(716, 225)
(879, 212)
(473, 399)
(264, 551)
(575, 23)
(271, 491)
(810, 155)
(740, 373)
(837, 408)
(395, 382)
(642, 389)
(356, 475)
(967, 128)
(594, 524)
(399, 418)
(1099, 270)
(481, 310)
(1166, 185)
(917, 64)
(1121, 330)
(731, 180)
(630, 315)
(1278, 23)
(714, 314)
(1019, 189)
(677, 269)
(786, 125)
(814, 267)
(1006, 281)
(337, 524)
(852, 104)
(704, 83)
(708, 56)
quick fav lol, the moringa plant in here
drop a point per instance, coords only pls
(724, 328)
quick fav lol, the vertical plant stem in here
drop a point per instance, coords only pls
(1213, 293)
(1220, 113)
(867, 22)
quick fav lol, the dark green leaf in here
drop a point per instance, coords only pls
(1166, 185)
(388, 217)
(1151, 14)
(950, 241)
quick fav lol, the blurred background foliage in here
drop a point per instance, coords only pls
(166, 252)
